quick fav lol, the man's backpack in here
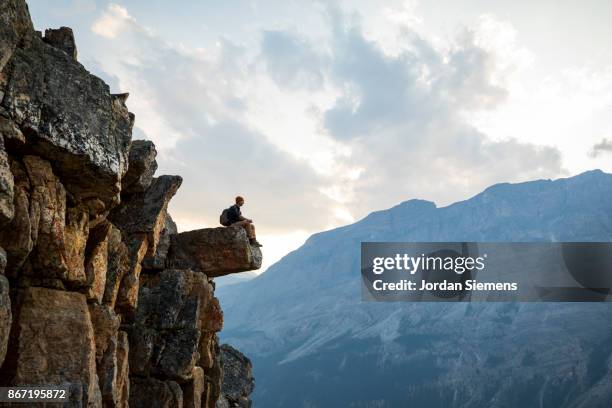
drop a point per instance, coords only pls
(224, 218)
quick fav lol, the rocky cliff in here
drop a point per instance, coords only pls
(238, 382)
(98, 291)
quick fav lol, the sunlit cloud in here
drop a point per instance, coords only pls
(115, 19)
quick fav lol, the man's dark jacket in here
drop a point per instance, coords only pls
(234, 214)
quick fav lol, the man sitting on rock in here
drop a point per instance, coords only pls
(232, 217)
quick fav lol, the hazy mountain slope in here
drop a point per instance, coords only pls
(314, 343)
(235, 278)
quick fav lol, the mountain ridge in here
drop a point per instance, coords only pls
(303, 323)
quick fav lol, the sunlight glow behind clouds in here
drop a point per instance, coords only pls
(112, 21)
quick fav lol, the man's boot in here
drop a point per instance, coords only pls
(254, 242)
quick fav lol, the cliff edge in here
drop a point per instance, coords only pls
(98, 291)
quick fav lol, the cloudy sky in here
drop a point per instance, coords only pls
(321, 112)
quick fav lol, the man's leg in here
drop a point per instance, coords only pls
(248, 227)
(250, 230)
(252, 238)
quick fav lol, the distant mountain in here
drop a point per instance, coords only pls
(235, 278)
(315, 344)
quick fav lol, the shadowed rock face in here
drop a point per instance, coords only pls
(15, 28)
(76, 229)
(238, 382)
(142, 166)
(214, 251)
(157, 262)
(5, 316)
(149, 392)
(172, 312)
(145, 213)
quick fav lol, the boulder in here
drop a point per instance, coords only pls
(238, 382)
(152, 393)
(70, 118)
(52, 342)
(5, 317)
(145, 213)
(141, 168)
(157, 262)
(63, 39)
(214, 251)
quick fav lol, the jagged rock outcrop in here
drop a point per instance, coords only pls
(145, 213)
(157, 262)
(68, 116)
(142, 167)
(89, 296)
(238, 381)
(214, 251)
(62, 39)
